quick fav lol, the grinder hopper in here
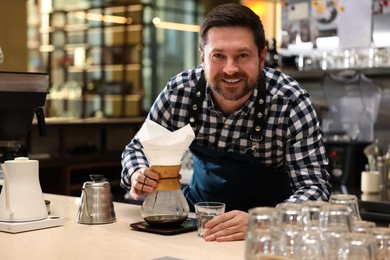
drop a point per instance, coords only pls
(353, 102)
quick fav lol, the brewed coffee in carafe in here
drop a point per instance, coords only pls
(166, 207)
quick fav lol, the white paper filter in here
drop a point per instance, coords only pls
(163, 147)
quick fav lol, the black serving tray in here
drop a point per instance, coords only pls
(187, 226)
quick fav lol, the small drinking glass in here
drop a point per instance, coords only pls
(349, 200)
(382, 236)
(291, 214)
(311, 214)
(205, 211)
(363, 226)
(335, 222)
(335, 217)
(358, 246)
(264, 236)
(310, 245)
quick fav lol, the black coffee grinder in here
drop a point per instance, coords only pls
(22, 95)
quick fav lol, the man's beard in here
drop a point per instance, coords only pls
(231, 94)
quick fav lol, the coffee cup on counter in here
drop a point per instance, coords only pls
(370, 182)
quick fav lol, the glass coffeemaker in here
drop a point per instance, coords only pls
(165, 150)
(166, 207)
(21, 96)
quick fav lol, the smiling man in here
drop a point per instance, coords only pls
(258, 140)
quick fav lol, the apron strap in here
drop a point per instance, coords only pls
(198, 95)
(197, 98)
(258, 121)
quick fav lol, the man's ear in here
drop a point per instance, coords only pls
(262, 57)
(201, 55)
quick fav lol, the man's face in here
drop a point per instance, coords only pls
(231, 62)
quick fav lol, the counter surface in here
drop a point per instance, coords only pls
(109, 241)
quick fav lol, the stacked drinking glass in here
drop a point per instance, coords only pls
(315, 230)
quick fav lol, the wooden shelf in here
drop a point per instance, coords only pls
(93, 121)
(80, 50)
(319, 74)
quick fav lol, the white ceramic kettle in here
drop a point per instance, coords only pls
(21, 198)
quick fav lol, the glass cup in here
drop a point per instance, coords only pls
(363, 226)
(335, 221)
(310, 245)
(205, 211)
(311, 214)
(264, 236)
(349, 200)
(336, 218)
(382, 236)
(357, 246)
(291, 214)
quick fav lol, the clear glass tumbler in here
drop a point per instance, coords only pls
(382, 236)
(264, 236)
(335, 222)
(205, 211)
(311, 245)
(358, 246)
(349, 200)
(311, 214)
(363, 226)
(292, 223)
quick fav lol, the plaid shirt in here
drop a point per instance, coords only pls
(292, 138)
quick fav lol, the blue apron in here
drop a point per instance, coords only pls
(240, 181)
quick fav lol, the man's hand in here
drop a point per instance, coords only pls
(229, 226)
(143, 181)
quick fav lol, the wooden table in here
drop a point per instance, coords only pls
(74, 241)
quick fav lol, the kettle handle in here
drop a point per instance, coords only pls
(6, 188)
(84, 202)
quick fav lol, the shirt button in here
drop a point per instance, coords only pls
(226, 126)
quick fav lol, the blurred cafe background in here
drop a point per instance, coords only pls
(107, 60)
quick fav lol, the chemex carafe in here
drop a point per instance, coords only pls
(167, 206)
(21, 198)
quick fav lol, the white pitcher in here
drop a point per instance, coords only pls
(21, 198)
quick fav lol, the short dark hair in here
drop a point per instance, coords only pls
(233, 15)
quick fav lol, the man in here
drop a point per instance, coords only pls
(258, 140)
